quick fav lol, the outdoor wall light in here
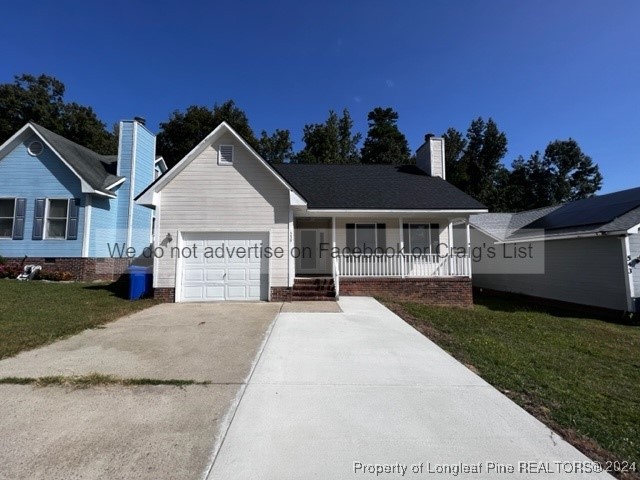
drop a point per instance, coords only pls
(167, 240)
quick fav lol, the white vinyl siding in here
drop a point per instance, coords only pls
(586, 271)
(206, 196)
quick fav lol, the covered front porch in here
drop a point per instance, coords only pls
(379, 245)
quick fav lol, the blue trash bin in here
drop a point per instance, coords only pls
(140, 281)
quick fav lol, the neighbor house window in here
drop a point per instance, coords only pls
(366, 237)
(7, 210)
(421, 238)
(57, 218)
(35, 148)
(225, 155)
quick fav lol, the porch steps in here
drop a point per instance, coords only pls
(313, 289)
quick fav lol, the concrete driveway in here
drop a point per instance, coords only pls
(362, 394)
(146, 432)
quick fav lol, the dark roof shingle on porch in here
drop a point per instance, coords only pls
(373, 187)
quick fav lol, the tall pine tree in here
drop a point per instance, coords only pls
(385, 143)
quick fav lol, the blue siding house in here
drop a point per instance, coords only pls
(68, 208)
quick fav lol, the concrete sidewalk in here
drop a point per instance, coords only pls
(362, 394)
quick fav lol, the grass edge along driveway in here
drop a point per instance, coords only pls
(580, 376)
(36, 313)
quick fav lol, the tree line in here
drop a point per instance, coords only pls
(474, 160)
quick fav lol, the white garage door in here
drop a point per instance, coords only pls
(223, 266)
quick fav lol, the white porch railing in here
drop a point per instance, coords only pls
(403, 265)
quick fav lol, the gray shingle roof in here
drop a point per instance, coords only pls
(374, 187)
(503, 225)
(99, 171)
(547, 221)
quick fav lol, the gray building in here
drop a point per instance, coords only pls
(585, 252)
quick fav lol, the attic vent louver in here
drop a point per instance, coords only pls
(35, 148)
(225, 155)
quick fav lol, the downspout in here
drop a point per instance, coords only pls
(628, 273)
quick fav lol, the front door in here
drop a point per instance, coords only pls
(313, 253)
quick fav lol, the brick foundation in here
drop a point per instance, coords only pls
(166, 295)
(82, 269)
(281, 294)
(442, 291)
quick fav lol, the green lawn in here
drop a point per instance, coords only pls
(36, 313)
(581, 376)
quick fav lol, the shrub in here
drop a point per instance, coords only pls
(8, 271)
(54, 275)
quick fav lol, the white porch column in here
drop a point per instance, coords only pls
(401, 243)
(450, 251)
(468, 251)
(450, 234)
(468, 229)
(333, 246)
(292, 260)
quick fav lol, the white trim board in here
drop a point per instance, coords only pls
(132, 183)
(86, 231)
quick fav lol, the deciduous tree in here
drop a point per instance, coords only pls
(277, 147)
(331, 142)
(183, 131)
(41, 100)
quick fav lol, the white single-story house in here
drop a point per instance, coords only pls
(590, 251)
(230, 226)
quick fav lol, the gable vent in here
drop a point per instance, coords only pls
(35, 148)
(225, 154)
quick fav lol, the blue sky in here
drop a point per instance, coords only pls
(542, 70)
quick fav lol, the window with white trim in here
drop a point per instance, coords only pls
(35, 148)
(7, 213)
(366, 238)
(225, 155)
(56, 218)
(421, 238)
